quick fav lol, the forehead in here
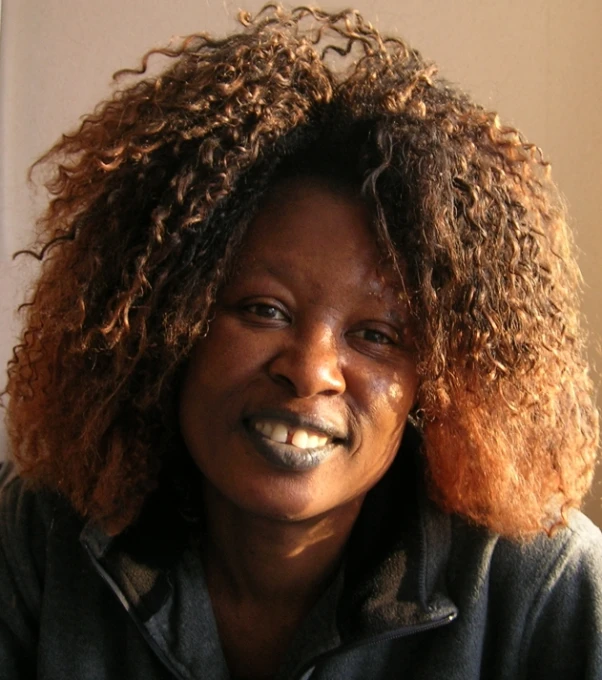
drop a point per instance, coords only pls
(298, 210)
(319, 232)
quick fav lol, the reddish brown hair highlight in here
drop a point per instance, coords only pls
(150, 200)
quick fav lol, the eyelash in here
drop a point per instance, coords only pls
(264, 306)
(389, 339)
(272, 312)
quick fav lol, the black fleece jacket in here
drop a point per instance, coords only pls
(421, 595)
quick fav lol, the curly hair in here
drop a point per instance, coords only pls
(150, 200)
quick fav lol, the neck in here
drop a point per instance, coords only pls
(264, 575)
(248, 557)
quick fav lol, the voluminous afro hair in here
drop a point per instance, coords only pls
(151, 197)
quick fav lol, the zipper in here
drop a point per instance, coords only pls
(307, 670)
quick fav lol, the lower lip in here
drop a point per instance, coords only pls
(289, 457)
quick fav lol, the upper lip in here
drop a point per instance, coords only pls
(305, 421)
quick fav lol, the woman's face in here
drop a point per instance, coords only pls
(294, 404)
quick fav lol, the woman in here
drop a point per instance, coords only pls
(301, 382)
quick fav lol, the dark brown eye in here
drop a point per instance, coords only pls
(266, 311)
(377, 337)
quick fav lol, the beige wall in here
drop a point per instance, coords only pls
(537, 62)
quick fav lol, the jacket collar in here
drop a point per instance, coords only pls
(393, 580)
(397, 556)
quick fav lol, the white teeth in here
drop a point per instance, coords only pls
(279, 433)
(264, 428)
(314, 441)
(300, 438)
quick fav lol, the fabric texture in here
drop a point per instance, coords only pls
(421, 595)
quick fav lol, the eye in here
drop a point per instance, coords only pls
(377, 337)
(266, 311)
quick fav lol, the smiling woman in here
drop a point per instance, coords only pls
(306, 366)
(301, 390)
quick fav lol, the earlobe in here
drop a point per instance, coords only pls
(416, 417)
(206, 324)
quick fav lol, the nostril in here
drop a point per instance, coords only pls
(308, 372)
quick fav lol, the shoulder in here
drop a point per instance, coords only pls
(581, 536)
(576, 547)
(28, 518)
(26, 521)
(571, 554)
(543, 597)
(532, 571)
(565, 572)
(563, 624)
(22, 507)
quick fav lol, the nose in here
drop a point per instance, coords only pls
(310, 364)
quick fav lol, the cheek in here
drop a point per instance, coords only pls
(223, 359)
(222, 370)
(389, 416)
(231, 348)
(390, 404)
(211, 375)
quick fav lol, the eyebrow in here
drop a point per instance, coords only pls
(398, 315)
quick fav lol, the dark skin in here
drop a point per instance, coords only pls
(264, 577)
(293, 408)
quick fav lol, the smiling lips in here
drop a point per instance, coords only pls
(291, 447)
(284, 434)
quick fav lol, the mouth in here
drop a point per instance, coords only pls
(293, 443)
(282, 433)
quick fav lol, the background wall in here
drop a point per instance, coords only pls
(537, 62)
